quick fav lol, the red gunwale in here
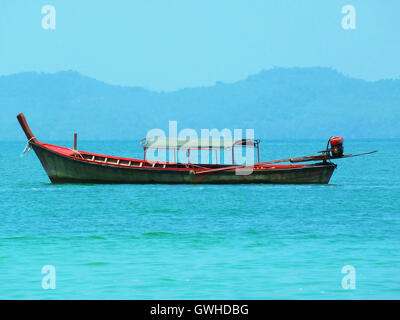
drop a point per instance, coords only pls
(76, 155)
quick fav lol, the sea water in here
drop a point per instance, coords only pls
(203, 241)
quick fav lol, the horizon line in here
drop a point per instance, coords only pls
(262, 139)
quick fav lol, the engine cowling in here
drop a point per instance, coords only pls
(336, 147)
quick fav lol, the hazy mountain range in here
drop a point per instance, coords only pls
(277, 103)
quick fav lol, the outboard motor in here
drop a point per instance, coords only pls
(336, 148)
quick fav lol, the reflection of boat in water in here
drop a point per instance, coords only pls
(65, 165)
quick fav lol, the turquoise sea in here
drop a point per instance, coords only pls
(203, 241)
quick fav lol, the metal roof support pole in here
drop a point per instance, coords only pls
(75, 141)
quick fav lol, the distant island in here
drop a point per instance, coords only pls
(278, 103)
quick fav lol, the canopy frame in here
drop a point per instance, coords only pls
(248, 143)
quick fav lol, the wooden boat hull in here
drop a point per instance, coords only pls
(65, 169)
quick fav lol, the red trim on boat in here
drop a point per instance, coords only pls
(146, 164)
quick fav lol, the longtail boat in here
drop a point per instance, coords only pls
(65, 165)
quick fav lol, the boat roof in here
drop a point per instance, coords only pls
(208, 143)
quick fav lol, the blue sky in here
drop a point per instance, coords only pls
(171, 44)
